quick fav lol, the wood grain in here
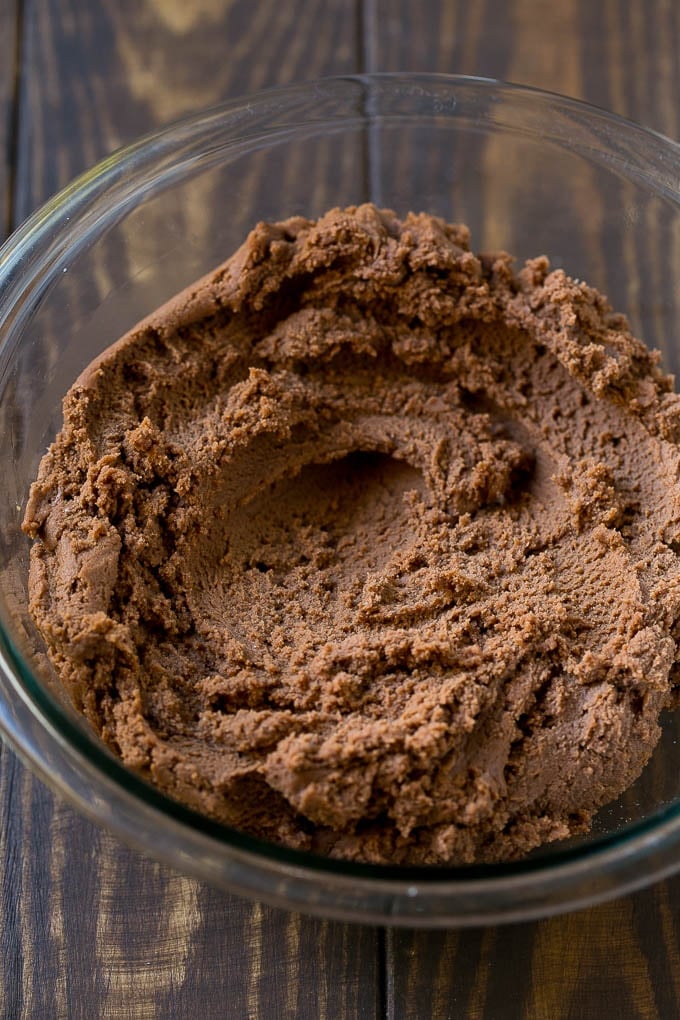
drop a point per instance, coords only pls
(11, 815)
(9, 29)
(623, 55)
(88, 927)
(105, 73)
(618, 959)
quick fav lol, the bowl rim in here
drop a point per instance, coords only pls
(110, 180)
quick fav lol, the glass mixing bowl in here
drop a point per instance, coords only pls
(528, 172)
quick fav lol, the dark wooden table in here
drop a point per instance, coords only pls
(89, 928)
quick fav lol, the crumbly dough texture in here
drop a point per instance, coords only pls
(366, 545)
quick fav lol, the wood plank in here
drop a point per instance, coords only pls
(9, 28)
(620, 958)
(109, 72)
(619, 54)
(11, 822)
(88, 927)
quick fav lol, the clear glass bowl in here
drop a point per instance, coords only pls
(529, 172)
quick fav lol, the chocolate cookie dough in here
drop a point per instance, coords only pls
(365, 544)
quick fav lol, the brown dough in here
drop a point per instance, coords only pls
(364, 544)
